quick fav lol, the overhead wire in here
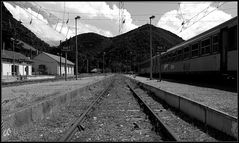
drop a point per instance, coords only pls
(38, 19)
(63, 18)
(94, 19)
(206, 15)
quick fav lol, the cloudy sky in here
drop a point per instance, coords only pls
(186, 19)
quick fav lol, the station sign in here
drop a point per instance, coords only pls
(161, 49)
(66, 48)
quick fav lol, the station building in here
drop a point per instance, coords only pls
(15, 64)
(49, 64)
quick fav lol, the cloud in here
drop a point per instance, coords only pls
(39, 26)
(81, 28)
(49, 31)
(188, 11)
(101, 10)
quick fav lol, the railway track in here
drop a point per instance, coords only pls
(184, 127)
(119, 117)
(121, 112)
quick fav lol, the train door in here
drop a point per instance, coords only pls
(223, 49)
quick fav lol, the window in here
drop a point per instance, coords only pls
(186, 53)
(179, 54)
(215, 43)
(205, 46)
(174, 55)
(169, 57)
(195, 49)
(166, 58)
(162, 58)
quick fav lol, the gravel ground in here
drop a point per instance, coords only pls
(117, 118)
(222, 100)
(17, 97)
(184, 127)
(54, 126)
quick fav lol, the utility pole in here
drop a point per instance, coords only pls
(103, 62)
(77, 17)
(60, 58)
(151, 61)
(87, 68)
(65, 65)
(159, 61)
(13, 41)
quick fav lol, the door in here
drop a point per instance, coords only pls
(223, 49)
(26, 69)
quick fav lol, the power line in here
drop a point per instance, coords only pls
(205, 15)
(40, 19)
(144, 14)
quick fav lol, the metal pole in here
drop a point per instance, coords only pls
(76, 51)
(60, 58)
(65, 66)
(159, 60)
(151, 62)
(87, 68)
(13, 56)
(159, 66)
(76, 48)
(103, 63)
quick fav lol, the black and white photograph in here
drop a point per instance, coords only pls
(119, 71)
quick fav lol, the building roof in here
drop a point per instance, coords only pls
(18, 56)
(57, 58)
(27, 46)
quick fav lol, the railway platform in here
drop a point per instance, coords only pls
(224, 101)
(16, 97)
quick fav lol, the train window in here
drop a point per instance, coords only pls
(232, 38)
(174, 56)
(180, 54)
(195, 50)
(186, 53)
(215, 43)
(170, 56)
(205, 46)
(162, 59)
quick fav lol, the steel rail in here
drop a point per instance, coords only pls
(155, 119)
(77, 124)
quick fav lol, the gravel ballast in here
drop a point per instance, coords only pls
(224, 101)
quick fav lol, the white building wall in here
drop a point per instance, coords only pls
(69, 69)
(6, 69)
(22, 70)
(30, 70)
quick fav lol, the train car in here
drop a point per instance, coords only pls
(213, 53)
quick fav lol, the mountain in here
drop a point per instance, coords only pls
(43, 27)
(120, 51)
(10, 26)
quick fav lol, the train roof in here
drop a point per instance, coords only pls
(214, 29)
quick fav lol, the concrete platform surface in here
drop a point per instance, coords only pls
(20, 96)
(222, 100)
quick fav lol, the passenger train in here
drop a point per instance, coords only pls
(213, 52)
